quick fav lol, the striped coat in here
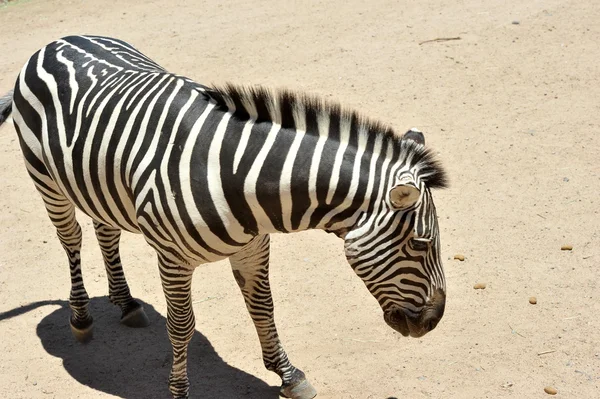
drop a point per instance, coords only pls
(208, 173)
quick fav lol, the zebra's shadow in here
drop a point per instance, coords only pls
(135, 363)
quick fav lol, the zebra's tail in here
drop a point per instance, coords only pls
(6, 106)
(29, 307)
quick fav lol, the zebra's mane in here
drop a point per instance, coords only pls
(278, 106)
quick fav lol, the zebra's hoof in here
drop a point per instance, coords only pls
(300, 390)
(83, 334)
(135, 318)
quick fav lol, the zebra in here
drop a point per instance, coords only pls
(206, 173)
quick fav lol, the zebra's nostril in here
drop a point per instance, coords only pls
(434, 312)
(432, 323)
(428, 321)
(429, 325)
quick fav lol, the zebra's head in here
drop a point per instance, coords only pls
(395, 248)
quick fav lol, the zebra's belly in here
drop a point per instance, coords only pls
(174, 224)
(98, 196)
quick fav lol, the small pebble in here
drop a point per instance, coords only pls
(459, 257)
(566, 248)
(550, 390)
(533, 300)
(515, 22)
(480, 286)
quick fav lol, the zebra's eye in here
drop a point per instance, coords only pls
(419, 244)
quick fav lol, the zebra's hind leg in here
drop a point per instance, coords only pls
(62, 215)
(132, 312)
(251, 270)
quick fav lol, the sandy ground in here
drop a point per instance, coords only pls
(512, 109)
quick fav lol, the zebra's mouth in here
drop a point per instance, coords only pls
(396, 319)
(405, 325)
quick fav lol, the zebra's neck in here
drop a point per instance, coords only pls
(321, 173)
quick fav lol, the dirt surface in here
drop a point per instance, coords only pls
(513, 110)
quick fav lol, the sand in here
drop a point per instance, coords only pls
(512, 108)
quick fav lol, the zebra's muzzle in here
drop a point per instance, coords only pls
(406, 323)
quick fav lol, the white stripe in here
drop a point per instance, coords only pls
(142, 89)
(323, 127)
(67, 151)
(86, 54)
(348, 200)
(119, 151)
(137, 78)
(73, 86)
(115, 213)
(115, 51)
(152, 225)
(241, 148)
(170, 199)
(140, 133)
(375, 155)
(215, 185)
(191, 207)
(345, 124)
(31, 141)
(28, 137)
(250, 184)
(355, 179)
(154, 131)
(285, 188)
(98, 94)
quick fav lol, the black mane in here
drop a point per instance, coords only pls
(265, 105)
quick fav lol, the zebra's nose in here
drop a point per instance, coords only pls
(430, 316)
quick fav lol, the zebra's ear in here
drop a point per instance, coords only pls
(404, 196)
(415, 135)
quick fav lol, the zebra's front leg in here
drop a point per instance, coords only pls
(176, 282)
(132, 312)
(251, 270)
